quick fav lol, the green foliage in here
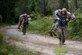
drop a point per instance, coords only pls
(80, 5)
(75, 28)
(49, 7)
(13, 8)
(14, 51)
(41, 25)
(32, 6)
(61, 51)
(1, 38)
(7, 11)
(35, 16)
(3, 51)
(27, 6)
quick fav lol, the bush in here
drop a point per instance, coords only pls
(14, 51)
(75, 28)
(35, 16)
(41, 25)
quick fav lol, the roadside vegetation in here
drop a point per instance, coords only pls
(61, 52)
(41, 25)
(75, 28)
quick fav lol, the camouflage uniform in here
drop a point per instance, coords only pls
(23, 22)
(57, 26)
(57, 16)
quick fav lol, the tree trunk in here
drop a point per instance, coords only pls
(8, 10)
(75, 4)
(56, 4)
(0, 7)
(43, 8)
(63, 4)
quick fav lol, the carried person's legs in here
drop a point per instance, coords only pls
(53, 29)
(25, 26)
(24, 30)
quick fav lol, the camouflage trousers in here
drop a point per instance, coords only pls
(60, 32)
(24, 27)
(24, 30)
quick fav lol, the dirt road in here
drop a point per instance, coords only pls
(41, 43)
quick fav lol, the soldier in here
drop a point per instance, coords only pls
(62, 17)
(23, 22)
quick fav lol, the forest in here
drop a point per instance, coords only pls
(39, 9)
(41, 12)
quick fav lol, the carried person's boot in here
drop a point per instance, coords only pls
(50, 33)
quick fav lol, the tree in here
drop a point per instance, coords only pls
(75, 4)
(63, 3)
(8, 10)
(0, 7)
(43, 7)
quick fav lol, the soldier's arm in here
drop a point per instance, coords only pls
(68, 16)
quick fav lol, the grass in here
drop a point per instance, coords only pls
(8, 50)
(61, 51)
(75, 28)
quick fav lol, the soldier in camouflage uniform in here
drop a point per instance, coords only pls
(23, 22)
(62, 17)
